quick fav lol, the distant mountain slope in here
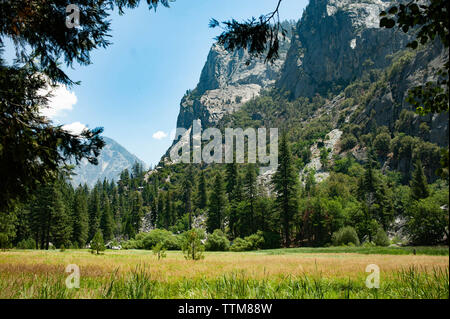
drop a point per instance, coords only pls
(113, 159)
(229, 80)
(339, 75)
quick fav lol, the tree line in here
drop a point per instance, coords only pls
(231, 198)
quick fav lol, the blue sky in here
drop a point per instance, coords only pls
(133, 88)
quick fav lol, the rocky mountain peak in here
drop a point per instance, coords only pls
(229, 80)
(334, 42)
(113, 159)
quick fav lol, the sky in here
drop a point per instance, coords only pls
(133, 87)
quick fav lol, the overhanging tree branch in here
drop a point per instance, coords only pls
(259, 36)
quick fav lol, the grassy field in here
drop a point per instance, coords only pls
(282, 273)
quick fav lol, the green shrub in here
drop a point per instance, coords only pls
(382, 144)
(271, 240)
(381, 238)
(159, 250)
(29, 243)
(156, 236)
(152, 238)
(133, 244)
(348, 142)
(428, 223)
(368, 244)
(345, 236)
(192, 244)
(217, 241)
(256, 241)
(97, 243)
(252, 242)
(240, 244)
(4, 241)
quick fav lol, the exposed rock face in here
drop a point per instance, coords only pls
(330, 143)
(228, 80)
(335, 41)
(113, 159)
(390, 99)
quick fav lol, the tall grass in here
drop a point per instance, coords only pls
(430, 251)
(139, 283)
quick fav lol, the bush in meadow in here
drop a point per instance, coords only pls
(381, 238)
(345, 236)
(29, 243)
(217, 241)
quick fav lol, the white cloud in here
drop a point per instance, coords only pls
(159, 135)
(62, 100)
(74, 128)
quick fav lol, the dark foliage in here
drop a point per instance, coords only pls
(257, 35)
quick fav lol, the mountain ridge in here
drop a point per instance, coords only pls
(113, 159)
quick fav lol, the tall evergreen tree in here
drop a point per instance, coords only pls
(217, 204)
(124, 181)
(153, 209)
(202, 198)
(137, 211)
(106, 222)
(80, 218)
(116, 212)
(285, 181)
(250, 196)
(168, 207)
(160, 209)
(41, 216)
(419, 185)
(95, 212)
(49, 219)
(187, 186)
(235, 199)
(60, 228)
(231, 177)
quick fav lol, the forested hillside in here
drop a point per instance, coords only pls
(357, 163)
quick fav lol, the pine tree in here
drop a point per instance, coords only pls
(187, 187)
(97, 243)
(235, 199)
(60, 227)
(41, 216)
(231, 177)
(250, 196)
(192, 244)
(153, 209)
(95, 212)
(169, 218)
(202, 200)
(377, 205)
(137, 211)
(106, 222)
(124, 181)
(160, 209)
(310, 183)
(285, 181)
(116, 212)
(217, 204)
(419, 185)
(80, 218)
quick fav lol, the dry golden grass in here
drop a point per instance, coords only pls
(175, 267)
(138, 274)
